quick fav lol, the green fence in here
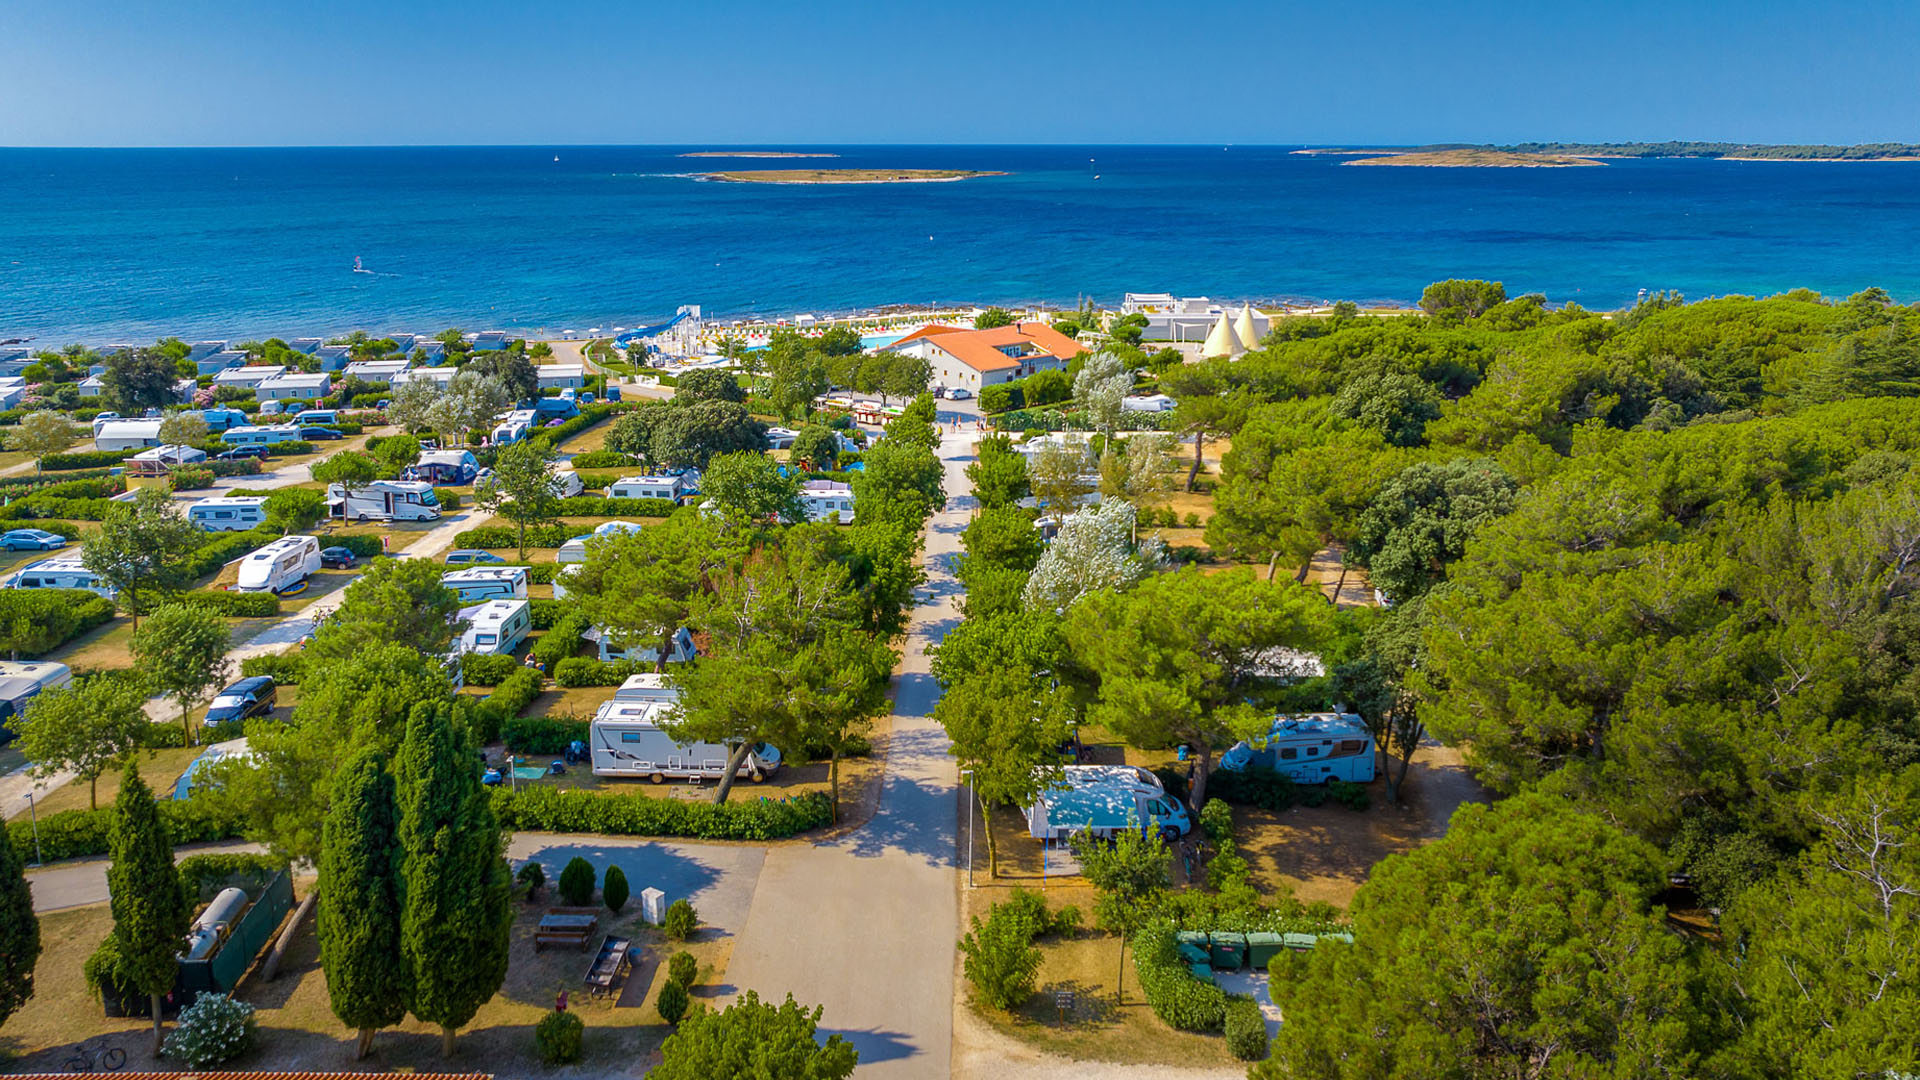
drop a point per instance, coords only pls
(221, 972)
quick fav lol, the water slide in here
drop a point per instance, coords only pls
(649, 331)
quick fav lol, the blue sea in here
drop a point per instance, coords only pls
(128, 245)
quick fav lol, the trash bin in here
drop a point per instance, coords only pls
(1229, 950)
(1261, 948)
(1193, 946)
(1299, 942)
(1201, 970)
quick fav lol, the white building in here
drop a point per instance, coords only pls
(561, 376)
(247, 375)
(978, 358)
(379, 371)
(1147, 403)
(294, 386)
(438, 376)
(1188, 318)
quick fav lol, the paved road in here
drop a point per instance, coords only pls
(865, 925)
(84, 881)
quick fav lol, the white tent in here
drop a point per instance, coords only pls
(1221, 341)
(1243, 329)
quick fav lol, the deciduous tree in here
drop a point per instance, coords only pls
(396, 601)
(749, 490)
(85, 728)
(182, 653)
(293, 509)
(521, 488)
(40, 434)
(753, 1038)
(19, 933)
(142, 547)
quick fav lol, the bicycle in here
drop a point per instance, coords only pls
(92, 1056)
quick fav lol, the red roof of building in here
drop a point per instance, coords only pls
(980, 349)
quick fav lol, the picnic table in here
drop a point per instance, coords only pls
(611, 965)
(566, 926)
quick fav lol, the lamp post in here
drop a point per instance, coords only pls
(34, 815)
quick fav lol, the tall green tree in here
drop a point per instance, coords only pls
(522, 488)
(182, 652)
(360, 900)
(835, 692)
(511, 369)
(87, 728)
(40, 434)
(992, 318)
(1421, 521)
(1178, 654)
(707, 384)
(899, 483)
(1130, 875)
(457, 919)
(817, 448)
(139, 379)
(295, 510)
(150, 915)
(750, 490)
(142, 547)
(640, 587)
(19, 933)
(754, 1038)
(351, 469)
(400, 601)
(184, 428)
(998, 473)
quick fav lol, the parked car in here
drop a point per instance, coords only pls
(482, 478)
(31, 540)
(241, 453)
(470, 556)
(336, 558)
(958, 393)
(246, 698)
(382, 404)
(312, 434)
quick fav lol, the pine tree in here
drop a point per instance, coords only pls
(150, 915)
(360, 900)
(19, 933)
(455, 920)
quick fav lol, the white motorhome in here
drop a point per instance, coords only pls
(61, 572)
(515, 426)
(627, 740)
(126, 434)
(647, 686)
(1310, 749)
(644, 652)
(566, 484)
(497, 626)
(230, 513)
(575, 550)
(1104, 800)
(476, 583)
(826, 500)
(21, 682)
(653, 487)
(384, 500)
(279, 566)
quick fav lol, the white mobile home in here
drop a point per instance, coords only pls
(377, 371)
(826, 500)
(497, 626)
(279, 566)
(653, 487)
(627, 740)
(247, 375)
(126, 434)
(575, 550)
(294, 386)
(384, 500)
(561, 376)
(21, 682)
(61, 572)
(231, 513)
(260, 435)
(473, 584)
(646, 651)
(1310, 749)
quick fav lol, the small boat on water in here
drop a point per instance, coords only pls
(357, 268)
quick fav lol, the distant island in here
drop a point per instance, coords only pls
(1561, 155)
(846, 176)
(752, 154)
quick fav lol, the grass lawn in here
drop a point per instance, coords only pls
(159, 768)
(594, 438)
(297, 1029)
(104, 646)
(10, 759)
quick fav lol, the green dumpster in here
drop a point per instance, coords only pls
(1229, 950)
(1299, 942)
(1262, 947)
(1193, 946)
(1201, 971)
(1341, 936)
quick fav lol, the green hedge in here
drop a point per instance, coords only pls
(73, 834)
(514, 693)
(588, 417)
(487, 669)
(37, 507)
(228, 547)
(290, 449)
(206, 874)
(601, 506)
(589, 671)
(26, 485)
(236, 605)
(237, 467)
(54, 616)
(366, 547)
(497, 537)
(603, 459)
(1246, 1029)
(549, 809)
(547, 612)
(559, 643)
(542, 734)
(84, 459)
(191, 479)
(283, 668)
(1178, 999)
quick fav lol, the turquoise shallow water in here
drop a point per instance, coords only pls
(105, 245)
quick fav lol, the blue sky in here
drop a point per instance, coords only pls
(266, 72)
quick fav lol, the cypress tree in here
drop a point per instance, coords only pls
(455, 918)
(360, 900)
(150, 913)
(19, 932)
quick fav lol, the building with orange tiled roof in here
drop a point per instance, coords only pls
(979, 358)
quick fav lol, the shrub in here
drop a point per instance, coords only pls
(499, 537)
(38, 621)
(683, 968)
(512, 695)
(290, 449)
(1349, 794)
(106, 978)
(1026, 906)
(604, 459)
(284, 668)
(542, 734)
(1178, 999)
(576, 882)
(558, 1036)
(533, 876)
(191, 479)
(84, 459)
(242, 467)
(1255, 786)
(1001, 961)
(560, 642)
(587, 671)
(1193, 520)
(1066, 922)
(1246, 1029)
(681, 921)
(601, 506)
(545, 612)
(672, 1002)
(204, 875)
(548, 809)
(487, 669)
(238, 605)
(1217, 819)
(613, 889)
(215, 1028)
(448, 498)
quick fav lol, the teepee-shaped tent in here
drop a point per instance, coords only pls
(1243, 329)
(1221, 341)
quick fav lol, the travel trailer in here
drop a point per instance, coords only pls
(384, 500)
(497, 626)
(647, 686)
(60, 572)
(473, 584)
(279, 566)
(21, 681)
(1104, 800)
(627, 740)
(254, 435)
(827, 500)
(126, 434)
(1310, 749)
(653, 487)
(566, 484)
(230, 513)
(575, 550)
(644, 652)
(515, 426)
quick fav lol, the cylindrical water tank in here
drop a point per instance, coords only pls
(201, 943)
(225, 908)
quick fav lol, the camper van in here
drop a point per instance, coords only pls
(279, 566)
(1310, 749)
(21, 681)
(514, 426)
(384, 500)
(653, 487)
(566, 484)
(474, 584)
(647, 686)
(230, 513)
(645, 651)
(62, 572)
(575, 550)
(497, 626)
(317, 416)
(253, 435)
(1104, 800)
(627, 741)
(827, 500)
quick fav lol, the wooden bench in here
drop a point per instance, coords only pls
(566, 926)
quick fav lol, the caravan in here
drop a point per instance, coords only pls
(255, 435)
(514, 426)
(645, 651)
(627, 740)
(476, 583)
(229, 513)
(21, 682)
(1310, 749)
(1104, 800)
(575, 550)
(384, 500)
(60, 572)
(279, 566)
(654, 487)
(497, 626)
